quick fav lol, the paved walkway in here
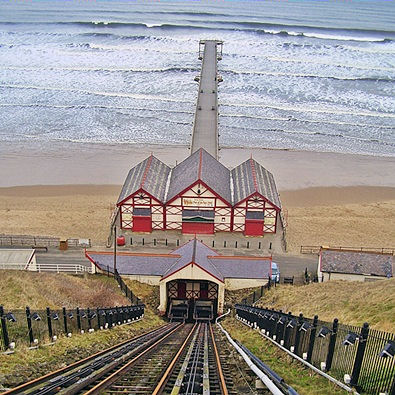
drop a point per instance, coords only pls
(205, 128)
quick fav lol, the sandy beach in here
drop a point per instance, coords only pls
(331, 215)
(69, 190)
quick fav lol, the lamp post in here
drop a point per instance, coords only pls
(115, 249)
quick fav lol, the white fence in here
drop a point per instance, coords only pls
(48, 267)
(59, 268)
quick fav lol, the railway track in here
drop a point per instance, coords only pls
(176, 359)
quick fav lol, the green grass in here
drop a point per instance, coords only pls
(295, 374)
(26, 364)
(19, 289)
(351, 302)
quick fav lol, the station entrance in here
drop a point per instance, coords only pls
(191, 300)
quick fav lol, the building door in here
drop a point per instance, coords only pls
(182, 290)
(253, 228)
(197, 228)
(142, 224)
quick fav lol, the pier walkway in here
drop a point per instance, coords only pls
(205, 128)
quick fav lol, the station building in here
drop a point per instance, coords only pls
(199, 196)
(189, 275)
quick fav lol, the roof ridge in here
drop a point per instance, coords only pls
(200, 163)
(147, 167)
(252, 164)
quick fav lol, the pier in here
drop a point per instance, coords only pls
(205, 126)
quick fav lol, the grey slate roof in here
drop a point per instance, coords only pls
(239, 267)
(151, 175)
(200, 165)
(164, 265)
(135, 264)
(245, 184)
(352, 262)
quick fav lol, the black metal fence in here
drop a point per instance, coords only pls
(365, 354)
(33, 327)
(258, 293)
(125, 289)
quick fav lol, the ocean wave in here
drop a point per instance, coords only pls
(313, 133)
(104, 69)
(137, 96)
(303, 75)
(342, 34)
(311, 110)
(96, 106)
(306, 121)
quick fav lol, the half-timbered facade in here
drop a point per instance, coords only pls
(200, 196)
(140, 203)
(256, 203)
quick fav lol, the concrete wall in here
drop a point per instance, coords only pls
(350, 277)
(233, 284)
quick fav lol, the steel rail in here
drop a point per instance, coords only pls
(114, 376)
(182, 372)
(224, 389)
(30, 384)
(169, 369)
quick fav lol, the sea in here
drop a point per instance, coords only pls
(297, 74)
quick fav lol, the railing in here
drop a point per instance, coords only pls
(64, 268)
(378, 250)
(257, 294)
(31, 241)
(337, 348)
(41, 241)
(125, 289)
(33, 328)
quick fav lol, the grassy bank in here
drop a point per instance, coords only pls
(294, 373)
(38, 290)
(26, 364)
(19, 289)
(351, 302)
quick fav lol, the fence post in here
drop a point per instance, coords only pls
(29, 325)
(261, 290)
(88, 315)
(359, 357)
(312, 338)
(4, 330)
(287, 330)
(49, 323)
(98, 318)
(253, 297)
(331, 347)
(65, 321)
(297, 338)
(78, 319)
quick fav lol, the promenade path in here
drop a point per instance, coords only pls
(205, 127)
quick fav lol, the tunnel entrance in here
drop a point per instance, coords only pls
(191, 300)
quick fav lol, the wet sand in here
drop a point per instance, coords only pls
(69, 163)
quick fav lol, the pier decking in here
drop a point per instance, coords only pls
(205, 128)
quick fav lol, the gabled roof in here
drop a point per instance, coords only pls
(200, 166)
(353, 262)
(192, 253)
(242, 266)
(150, 175)
(195, 252)
(133, 263)
(250, 177)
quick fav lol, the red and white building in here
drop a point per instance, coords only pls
(199, 196)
